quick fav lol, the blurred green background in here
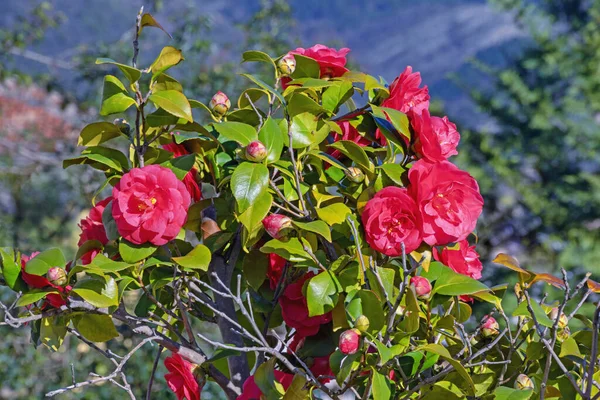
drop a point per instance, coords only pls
(521, 78)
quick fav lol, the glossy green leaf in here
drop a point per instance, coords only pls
(95, 327)
(336, 95)
(265, 86)
(148, 20)
(322, 293)
(257, 56)
(318, 227)
(132, 74)
(506, 393)
(11, 271)
(306, 67)
(248, 182)
(166, 82)
(394, 172)
(133, 253)
(298, 390)
(98, 292)
(168, 57)
(97, 133)
(272, 137)
(299, 103)
(236, 131)
(354, 152)
(198, 258)
(181, 165)
(540, 314)
(115, 98)
(452, 283)
(334, 214)
(264, 378)
(174, 102)
(102, 158)
(47, 259)
(569, 347)
(443, 352)
(258, 210)
(255, 266)
(105, 264)
(366, 302)
(33, 296)
(380, 386)
(291, 250)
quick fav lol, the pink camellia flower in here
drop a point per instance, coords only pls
(406, 93)
(349, 341)
(436, 138)
(448, 200)
(275, 270)
(390, 219)
(92, 228)
(332, 62)
(251, 391)
(421, 285)
(489, 326)
(462, 258)
(276, 224)
(191, 178)
(181, 378)
(150, 205)
(295, 309)
(55, 300)
(350, 133)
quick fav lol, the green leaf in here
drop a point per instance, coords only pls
(366, 302)
(237, 132)
(300, 103)
(115, 98)
(306, 67)
(248, 182)
(292, 250)
(334, 214)
(354, 152)
(105, 264)
(257, 56)
(174, 102)
(322, 293)
(98, 292)
(166, 82)
(148, 20)
(97, 133)
(410, 323)
(394, 172)
(110, 226)
(540, 314)
(264, 378)
(327, 158)
(33, 296)
(181, 165)
(47, 259)
(132, 74)
(11, 271)
(271, 136)
(53, 331)
(265, 86)
(168, 57)
(318, 227)
(133, 253)
(410, 362)
(506, 393)
(198, 258)
(102, 158)
(336, 95)
(569, 347)
(380, 386)
(96, 327)
(450, 283)
(298, 389)
(443, 352)
(258, 210)
(255, 266)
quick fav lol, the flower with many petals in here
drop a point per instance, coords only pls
(92, 228)
(55, 300)
(406, 93)
(150, 205)
(275, 269)
(332, 62)
(251, 391)
(191, 178)
(390, 219)
(181, 379)
(462, 258)
(448, 200)
(435, 138)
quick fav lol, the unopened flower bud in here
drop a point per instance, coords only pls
(123, 125)
(276, 225)
(286, 64)
(490, 327)
(57, 276)
(422, 286)
(349, 341)
(563, 321)
(220, 104)
(523, 382)
(256, 151)
(362, 323)
(355, 174)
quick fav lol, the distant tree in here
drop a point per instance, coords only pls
(541, 159)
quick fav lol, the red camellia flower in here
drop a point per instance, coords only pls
(93, 229)
(448, 199)
(295, 309)
(191, 178)
(55, 300)
(331, 61)
(436, 138)
(251, 391)
(275, 270)
(390, 219)
(405, 93)
(150, 205)
(462, 258)
(349, 132)
(181, 378)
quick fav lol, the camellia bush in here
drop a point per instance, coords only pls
(330, 245)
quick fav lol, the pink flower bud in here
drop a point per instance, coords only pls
(287, 64)
(350, 341)
(489, 327)
(421, 285)
(523, 382)
(57, 276)
(220, 104)
(256, 151)
(563, 321)
(276, 224)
